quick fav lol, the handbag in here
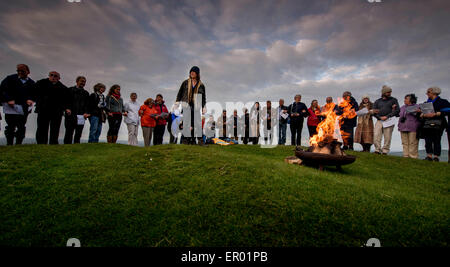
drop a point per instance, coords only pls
(432, 124)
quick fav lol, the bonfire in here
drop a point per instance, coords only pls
(325, 146)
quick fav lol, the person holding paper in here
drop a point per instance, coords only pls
(408, 125)
(17, 98)
(385, 108)
(364, 129)
(148, 112)
(52, 100)
(434, 124)
(297, 113)
(79, 106)
(163, 114)
(132, 120)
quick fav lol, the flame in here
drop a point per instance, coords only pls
(326, 130)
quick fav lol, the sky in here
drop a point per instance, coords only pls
(247, 50)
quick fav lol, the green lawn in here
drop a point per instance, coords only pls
(175, 195)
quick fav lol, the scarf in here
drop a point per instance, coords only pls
(192, 91)
(116, 96)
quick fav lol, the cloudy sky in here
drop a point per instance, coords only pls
(247, 50)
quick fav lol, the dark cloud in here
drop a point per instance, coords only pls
(247, 50)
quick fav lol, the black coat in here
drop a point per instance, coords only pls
(298, 108)
(79, 101)
(183, 93)
(349, 123)
(438, 105)
(12, 88)
(51, 98)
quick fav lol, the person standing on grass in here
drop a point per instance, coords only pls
(52, 100)
(282, 122)
(408, 125)
(79, 105)
(163, 114)
(349, 125)
(329, 105)
(269, 120)
(235, 122)
(148, 112)
(222, 124)
(97, 106)
(434, 124)
(245, 122)
(255, 122)
(313, 119)
(17, 98)
(191, 90)
(385, 108)
(115, 109)
(364, 129)
(132, 120)
(297, 114)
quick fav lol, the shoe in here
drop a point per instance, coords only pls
(384, 154)
(436, 159)
(428, 159)
(376, 152)
(109, 139)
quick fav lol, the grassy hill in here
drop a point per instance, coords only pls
(175, 195)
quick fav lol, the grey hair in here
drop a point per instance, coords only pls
(435, 90)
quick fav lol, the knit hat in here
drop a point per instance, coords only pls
(386, 89)
(364, 97)
(196, 70)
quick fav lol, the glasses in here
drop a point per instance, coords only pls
(54, 75)
(21, 71)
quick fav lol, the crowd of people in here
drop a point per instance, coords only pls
(53, 101)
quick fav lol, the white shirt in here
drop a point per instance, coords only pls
(132, 108)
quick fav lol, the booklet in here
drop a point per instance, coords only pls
(81, 120)
(427, 108)
(16, 110)
(362, 112)
(389, 122)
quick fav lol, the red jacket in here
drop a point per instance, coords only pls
(146, 113)
(313, 120)
(161, 109)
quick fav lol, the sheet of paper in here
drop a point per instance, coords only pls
(389, 122)
(16, 110)
(81, 120)
(427, 108)
(362, 112)
(411, 109)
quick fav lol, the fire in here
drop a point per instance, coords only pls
(328, 130)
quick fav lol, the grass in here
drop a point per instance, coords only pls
(175, 195)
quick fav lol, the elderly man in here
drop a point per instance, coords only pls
(52, 99)
(16, 93)
(385, 108)
(297, 112)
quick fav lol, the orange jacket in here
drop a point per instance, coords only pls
(146, 119)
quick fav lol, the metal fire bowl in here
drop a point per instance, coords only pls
(324, 159)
